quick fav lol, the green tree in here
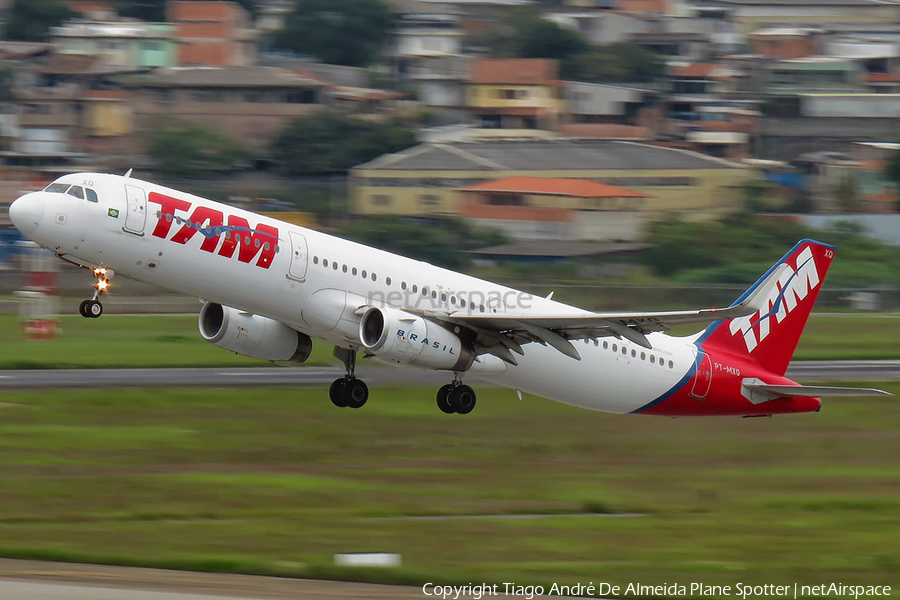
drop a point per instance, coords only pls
(342, 32)
(331, 143)
(892, 170)
(30, 20)
(540, 38)
(621, 63)
(7, 80)
(442, 241)
(846, 193)
(187, 149)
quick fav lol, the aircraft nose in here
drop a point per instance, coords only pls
(26, 213)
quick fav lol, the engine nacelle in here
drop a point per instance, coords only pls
(402, 337)
(252, 335)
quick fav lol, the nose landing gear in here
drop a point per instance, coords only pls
(92, 309)
(348, 391)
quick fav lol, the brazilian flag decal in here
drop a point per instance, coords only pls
(114, 213)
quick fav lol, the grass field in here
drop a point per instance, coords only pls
(124, 341)
(157, 341)
(278, 480)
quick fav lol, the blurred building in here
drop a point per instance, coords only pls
(543, 208)
(126, 44)
(426, 180)
(213, 33)
(252, 104)
(515, 97)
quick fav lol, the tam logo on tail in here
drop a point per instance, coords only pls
(793, 287)
(783, 299)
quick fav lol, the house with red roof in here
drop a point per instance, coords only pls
(548, 208)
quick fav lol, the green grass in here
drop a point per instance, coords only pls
(276, 481)
(124, 341)
(173, 341)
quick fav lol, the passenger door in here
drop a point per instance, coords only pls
(299, 257)
(136, 213)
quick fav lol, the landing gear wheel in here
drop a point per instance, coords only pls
(92, 309)
(336, 392)
(462, 398)
(443, 399)
(355, 392)
(82, 309)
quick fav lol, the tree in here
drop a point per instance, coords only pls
(7, 81)
(187, 149)
(342, 32)
(30, 20)
(442, 241)
(621, 63)
(892, 170)
(540, 38)
(331, 143)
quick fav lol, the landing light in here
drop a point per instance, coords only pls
(102, 284)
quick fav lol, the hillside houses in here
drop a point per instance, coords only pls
(749, 81)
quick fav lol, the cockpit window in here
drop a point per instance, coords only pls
(57, 188)
(91, 195)
(77, 191)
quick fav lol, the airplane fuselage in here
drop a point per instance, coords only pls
(315, 283)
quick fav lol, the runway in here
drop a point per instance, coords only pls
(802, 371)
(40, 580)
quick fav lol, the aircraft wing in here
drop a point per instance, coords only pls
(504, 333)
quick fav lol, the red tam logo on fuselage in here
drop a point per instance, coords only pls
(236, 234)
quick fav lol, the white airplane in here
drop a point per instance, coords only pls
(269, 287)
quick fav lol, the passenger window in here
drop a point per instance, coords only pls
(364, 275)
(605, 345)
(374, 277)
(615, 348)
(334, 266)
(315, 258)
(415, 289)
(671, 365)
(652, 359)
(344, 268)
(324, 262)
(388, 281)
(91, 195)
(354, 271)
(402, 285)
(77, 191)
(633, 354)
(643, 356)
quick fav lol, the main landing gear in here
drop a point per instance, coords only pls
(456, 397)
(91, 309)
(348, 391)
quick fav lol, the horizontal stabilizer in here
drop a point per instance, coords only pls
(762, 392)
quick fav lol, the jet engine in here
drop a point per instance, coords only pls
(404, 338)
(252, 335)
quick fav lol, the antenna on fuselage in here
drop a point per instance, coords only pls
(128, 173)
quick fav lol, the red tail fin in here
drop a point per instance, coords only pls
(771, 334)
